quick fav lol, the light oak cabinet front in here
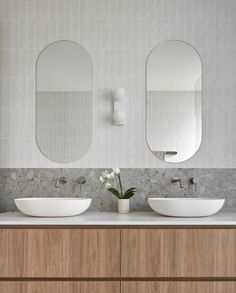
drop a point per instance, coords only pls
(178, 287)
(59, 253)
(60, 287)
(117, 260)
(173, 253)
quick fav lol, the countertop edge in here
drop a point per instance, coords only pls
(115, 220)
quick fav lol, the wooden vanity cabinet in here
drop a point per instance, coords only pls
(116, 287)
(178, 287)
(174, 253)
(117, 260)
(59, 287)
(59, 253)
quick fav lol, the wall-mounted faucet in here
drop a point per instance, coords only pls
(81, 180)
(61, 180)
(175, 180)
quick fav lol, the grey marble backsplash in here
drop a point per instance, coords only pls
(16, 183)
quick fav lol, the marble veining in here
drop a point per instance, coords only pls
(15, 183)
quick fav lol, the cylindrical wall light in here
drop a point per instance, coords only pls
(119, 106)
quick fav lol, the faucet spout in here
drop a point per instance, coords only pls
(61, 180)
(175, 180)
(57, 183)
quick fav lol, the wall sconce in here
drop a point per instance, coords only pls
(119, 106)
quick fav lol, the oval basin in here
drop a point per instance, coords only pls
(52, 207)
(186, 207)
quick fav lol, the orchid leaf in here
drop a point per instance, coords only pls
(114, 192)
(129, 195)
(130, 192)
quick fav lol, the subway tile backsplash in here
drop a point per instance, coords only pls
(15, 183)
(118, 34)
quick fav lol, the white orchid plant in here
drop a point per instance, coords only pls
(106, 178)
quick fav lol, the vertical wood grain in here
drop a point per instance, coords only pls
(60, 287)
(178, 287)
(59, 253)
(178, 253)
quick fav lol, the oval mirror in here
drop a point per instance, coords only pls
(174, 101)
(64, 101)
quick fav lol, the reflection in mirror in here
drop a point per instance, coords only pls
(174, 101)
(64, 101)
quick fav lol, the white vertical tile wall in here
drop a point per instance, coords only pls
(173, 113)
(64, 136)
(119, 35)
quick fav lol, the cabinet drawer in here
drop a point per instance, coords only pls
(59, 253)
(178, 253)
(178, 287)
(60, 287)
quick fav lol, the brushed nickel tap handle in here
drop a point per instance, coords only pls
(81, 180)
(194, 181)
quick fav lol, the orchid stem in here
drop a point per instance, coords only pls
(121, 189)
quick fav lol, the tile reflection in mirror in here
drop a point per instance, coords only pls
(64, 101)
(174, 101)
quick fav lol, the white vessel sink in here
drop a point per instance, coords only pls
(52, 207)
(186, 207)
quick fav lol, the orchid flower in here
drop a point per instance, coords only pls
(106, 176)
(108, 185)
(116, 171)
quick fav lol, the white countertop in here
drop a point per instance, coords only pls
(115, 219)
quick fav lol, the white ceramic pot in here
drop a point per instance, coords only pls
(123, 206)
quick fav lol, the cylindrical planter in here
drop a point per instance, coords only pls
(123, 206)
